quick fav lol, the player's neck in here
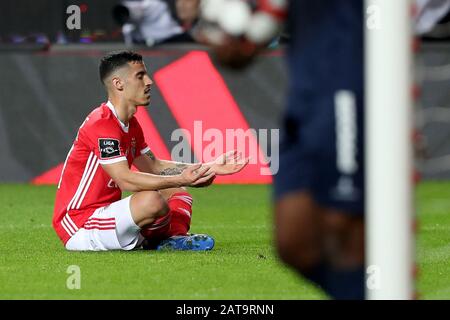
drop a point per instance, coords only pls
(124, 111)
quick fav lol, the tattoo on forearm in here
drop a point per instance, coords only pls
(150, 155)
(179, 168)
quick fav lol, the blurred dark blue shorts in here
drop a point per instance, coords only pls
(321, 149)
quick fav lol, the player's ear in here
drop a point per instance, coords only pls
(117, 83)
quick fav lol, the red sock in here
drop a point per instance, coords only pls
(158, 230)
(180, 206)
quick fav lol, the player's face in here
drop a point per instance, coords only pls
(138, 84)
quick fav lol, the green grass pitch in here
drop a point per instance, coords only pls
(243, 265)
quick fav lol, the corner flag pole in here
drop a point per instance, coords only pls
(389, 186)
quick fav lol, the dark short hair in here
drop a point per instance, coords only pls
(115, 60)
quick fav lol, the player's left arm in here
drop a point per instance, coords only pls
(228, 163)
(149, 163)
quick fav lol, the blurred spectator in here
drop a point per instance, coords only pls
(152, 22)
(186, 13)
(429, 13)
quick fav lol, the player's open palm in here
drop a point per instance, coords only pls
(229, 163)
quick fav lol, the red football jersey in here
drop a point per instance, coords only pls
(84, 186)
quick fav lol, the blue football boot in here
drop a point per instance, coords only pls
(193, 242)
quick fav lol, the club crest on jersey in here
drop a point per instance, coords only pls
(108, 148)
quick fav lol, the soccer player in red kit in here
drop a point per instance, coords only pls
(89, 213)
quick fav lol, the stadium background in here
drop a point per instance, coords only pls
(45, 94)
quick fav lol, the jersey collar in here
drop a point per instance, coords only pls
(113, 110)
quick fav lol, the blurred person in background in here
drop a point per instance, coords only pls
(428, 14)
(153, 22)
(319, 188)
(186, 13)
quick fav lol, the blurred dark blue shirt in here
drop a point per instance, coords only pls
(326, 46)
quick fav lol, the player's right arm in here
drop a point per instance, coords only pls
(133, 181)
